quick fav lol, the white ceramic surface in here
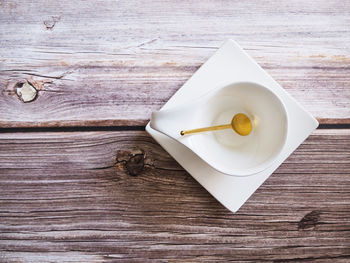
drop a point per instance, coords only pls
(225, 150)
(231, 64)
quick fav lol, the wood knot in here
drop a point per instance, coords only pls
(135, 164)
(50, 23)
(134, 161)
(310, 220)
(26, 91)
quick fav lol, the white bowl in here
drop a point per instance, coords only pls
(233, 154)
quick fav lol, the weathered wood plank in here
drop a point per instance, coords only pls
(70, 197)
(114, 62)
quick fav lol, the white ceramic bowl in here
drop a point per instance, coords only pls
(225, 150)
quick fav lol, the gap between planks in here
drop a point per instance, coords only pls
(120, 128)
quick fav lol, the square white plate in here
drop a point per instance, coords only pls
(231, 63)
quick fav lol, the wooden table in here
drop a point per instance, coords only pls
(81, 181)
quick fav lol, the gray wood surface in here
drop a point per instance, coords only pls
(116, 196)
(119, 197)
(113, 62)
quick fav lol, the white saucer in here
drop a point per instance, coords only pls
(231, 63)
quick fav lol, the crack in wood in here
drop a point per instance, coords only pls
(46, 76)
(148, 42)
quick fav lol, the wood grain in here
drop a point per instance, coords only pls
(119, 197)
(107, 63)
